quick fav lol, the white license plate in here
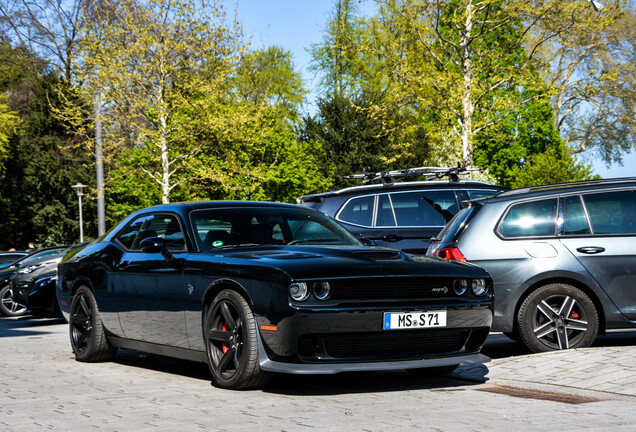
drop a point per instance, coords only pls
(413, 320)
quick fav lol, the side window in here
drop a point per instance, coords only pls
(358, 211)
(162, 225)
(128, 235)
(481, 193)
(385, 216)
(612, 212)
(575, 219)
(424, 208)
(534, 218)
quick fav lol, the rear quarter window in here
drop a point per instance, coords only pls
(530, 219)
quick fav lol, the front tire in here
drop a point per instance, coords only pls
(8, 306)
(557, 316)
(231, 343)
(88, 336)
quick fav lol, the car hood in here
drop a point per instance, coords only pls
(347, 261)
(41, 265)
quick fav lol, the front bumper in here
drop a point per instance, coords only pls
(355, 340)
(270, 365)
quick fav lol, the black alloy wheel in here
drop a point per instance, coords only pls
(556, 317)
(231, 343)
(88, 336)
(8, 306)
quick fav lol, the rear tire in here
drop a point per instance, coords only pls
(231, 343)
(557, 316)
(88, 336)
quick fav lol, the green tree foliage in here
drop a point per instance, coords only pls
(549, 168)
(8, 124)
(352, 139)
(591, 70)
(35, 185)
(161, 69)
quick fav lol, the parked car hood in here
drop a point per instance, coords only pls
(347, 261)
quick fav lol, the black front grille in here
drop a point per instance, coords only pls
(390, 345)
(391, 288)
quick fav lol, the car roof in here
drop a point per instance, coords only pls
(564, 188)
(396, 186)
(197, 205)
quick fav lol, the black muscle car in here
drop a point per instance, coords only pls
(254, 288)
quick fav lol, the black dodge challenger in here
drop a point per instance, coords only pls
(254, 288)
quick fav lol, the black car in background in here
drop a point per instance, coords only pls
(38, 296)
(9, 307)
(253, 288)
(400, 215)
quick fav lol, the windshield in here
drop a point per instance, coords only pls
(223, 227)
(37, 255)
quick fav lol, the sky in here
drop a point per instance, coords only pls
(295, 25)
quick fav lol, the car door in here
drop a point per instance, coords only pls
(151, 289)
(600, 231)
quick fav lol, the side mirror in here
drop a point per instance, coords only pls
(151, 245)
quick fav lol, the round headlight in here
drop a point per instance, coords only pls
(298, 291)
(479, 287)
(460, 286)
(322, 290)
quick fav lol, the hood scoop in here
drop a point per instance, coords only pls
(380, 255)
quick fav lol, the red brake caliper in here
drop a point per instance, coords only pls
(225, 346)
(574, 315)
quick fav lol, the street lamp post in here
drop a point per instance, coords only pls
(79, 188)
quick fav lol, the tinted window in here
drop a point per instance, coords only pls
(534, 218)
(428, 208)
(277, 226)
(575, 219)
(481, 193)
(612, 212)
(164, 226)
(385, 212)
(358, 211)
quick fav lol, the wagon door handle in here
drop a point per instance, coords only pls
(122, 265)
(591, 250)
(391, 238)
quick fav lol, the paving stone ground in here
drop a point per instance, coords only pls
(43, 388)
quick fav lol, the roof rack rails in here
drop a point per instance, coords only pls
(432, 173)
(568, 184)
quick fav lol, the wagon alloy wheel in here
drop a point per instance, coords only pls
(557, 316)
(231, 343)
(8, 306)
(88, 336)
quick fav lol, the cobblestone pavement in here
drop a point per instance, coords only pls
(44, 388)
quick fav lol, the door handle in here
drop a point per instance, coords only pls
(122, 265)
(591, 250)
(391, 238)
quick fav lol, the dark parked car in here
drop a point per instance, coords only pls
(562, 258)
(255, 288)
(400, 215)
(9, 307)
(38, 296)
(8, 258)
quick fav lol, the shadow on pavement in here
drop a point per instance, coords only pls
(26, 326)
(308, 385)
(364, 382)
